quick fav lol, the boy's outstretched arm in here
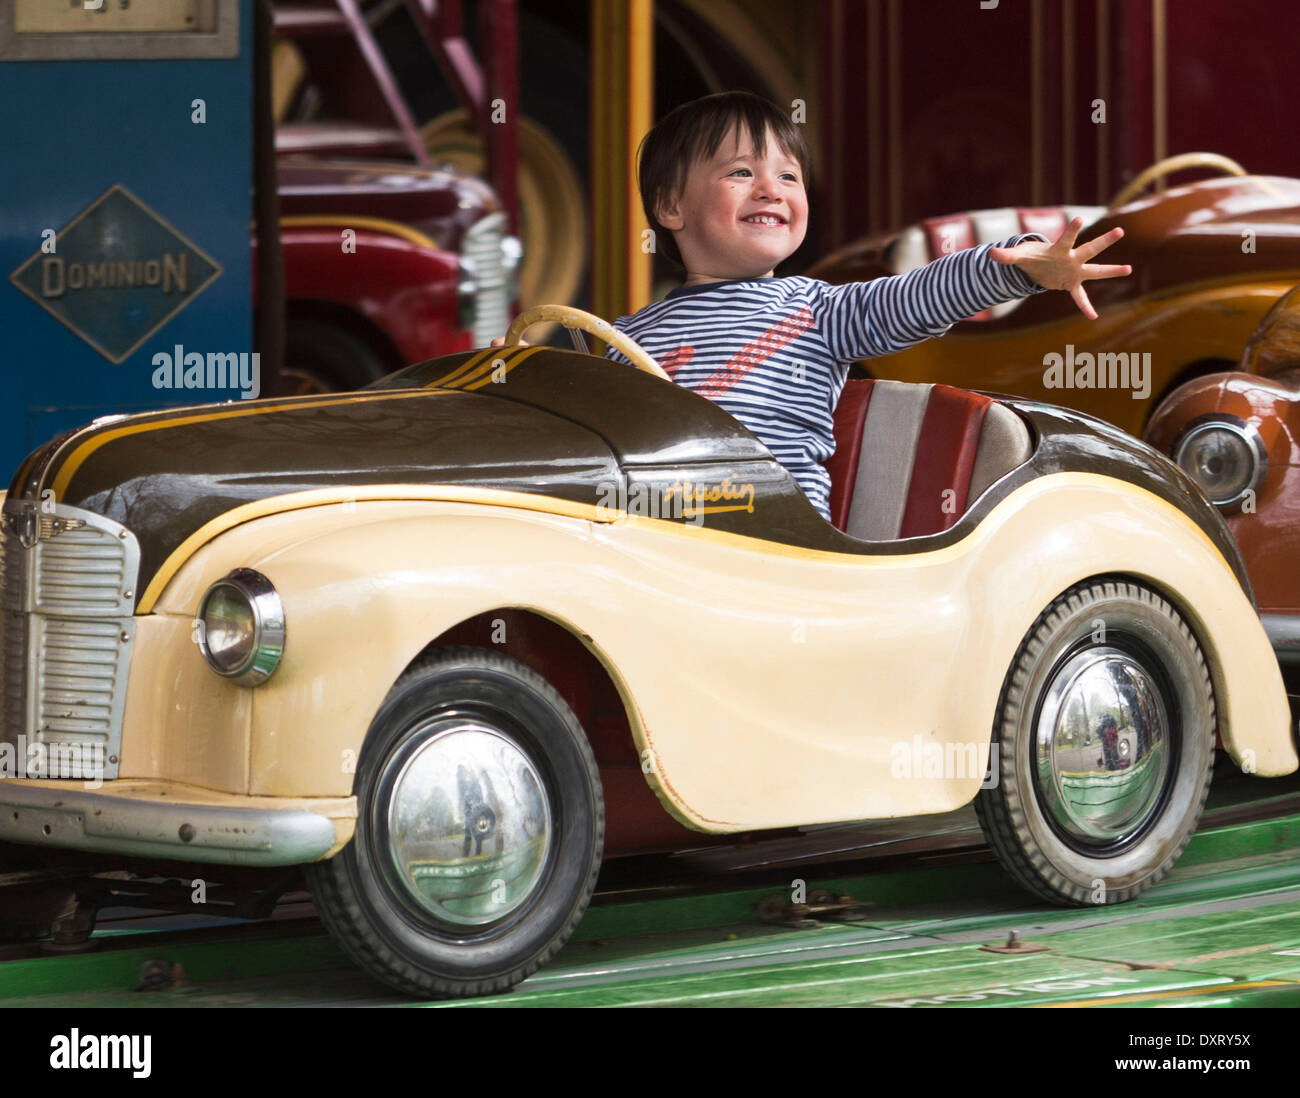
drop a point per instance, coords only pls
(885, 315)
(1062, 266)
(865, 319)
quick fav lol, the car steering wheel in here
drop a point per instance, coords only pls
(1168, 166)
(576, 319)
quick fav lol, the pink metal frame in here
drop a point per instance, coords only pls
(486, 91)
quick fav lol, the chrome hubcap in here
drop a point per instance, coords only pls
(1102, 751)
(469, 823)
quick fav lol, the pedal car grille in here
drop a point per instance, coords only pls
(13, 640)
(67, 589)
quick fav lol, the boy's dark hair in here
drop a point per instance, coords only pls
(693, 132)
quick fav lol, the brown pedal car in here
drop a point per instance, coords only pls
(1209, 259)
(1237, 435)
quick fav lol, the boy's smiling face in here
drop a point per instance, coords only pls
(739, 214)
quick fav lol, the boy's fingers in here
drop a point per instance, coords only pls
(1087, 251)
(1002, 255)
(1080, 296)
(1106, 270)
(1069, 235)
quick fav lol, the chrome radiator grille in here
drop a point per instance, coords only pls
(82, 571)
(482, 245)
(67, 580)
(13, 638)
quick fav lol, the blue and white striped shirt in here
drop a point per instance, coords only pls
(775, 352)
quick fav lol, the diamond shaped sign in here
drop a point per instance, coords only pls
(116, 274)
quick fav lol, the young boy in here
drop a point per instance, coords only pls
(723, 186)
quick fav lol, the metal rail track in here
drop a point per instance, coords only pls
(910, 867)
(856, 849)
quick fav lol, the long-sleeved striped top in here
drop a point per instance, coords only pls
(775, 352)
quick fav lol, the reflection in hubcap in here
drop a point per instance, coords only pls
(1102, 750)
(469, 825)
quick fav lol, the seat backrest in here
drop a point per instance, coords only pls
(909, 458)
(938, 236)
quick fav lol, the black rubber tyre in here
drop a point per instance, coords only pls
(355, 892)
(320, 357)
(1037, 851)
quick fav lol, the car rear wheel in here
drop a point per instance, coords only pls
(480, 829)
(1105, 735)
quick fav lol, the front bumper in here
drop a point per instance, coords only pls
(176, 822)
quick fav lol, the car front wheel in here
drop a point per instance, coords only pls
(1105, 737)
(480, 828)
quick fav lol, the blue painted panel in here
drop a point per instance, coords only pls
(153, 214)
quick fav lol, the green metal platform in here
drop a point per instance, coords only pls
(1222, 930)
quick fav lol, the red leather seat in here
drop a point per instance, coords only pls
(910, 458)
(850, 420)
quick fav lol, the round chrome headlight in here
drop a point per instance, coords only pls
(1224, 456)
(241, 627)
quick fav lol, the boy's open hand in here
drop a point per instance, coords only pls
(1062, 266)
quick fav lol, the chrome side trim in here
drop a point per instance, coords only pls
(84, 820)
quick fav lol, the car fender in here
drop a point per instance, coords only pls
(402, 284)
(766, 685)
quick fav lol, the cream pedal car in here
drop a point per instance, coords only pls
(449, 641)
